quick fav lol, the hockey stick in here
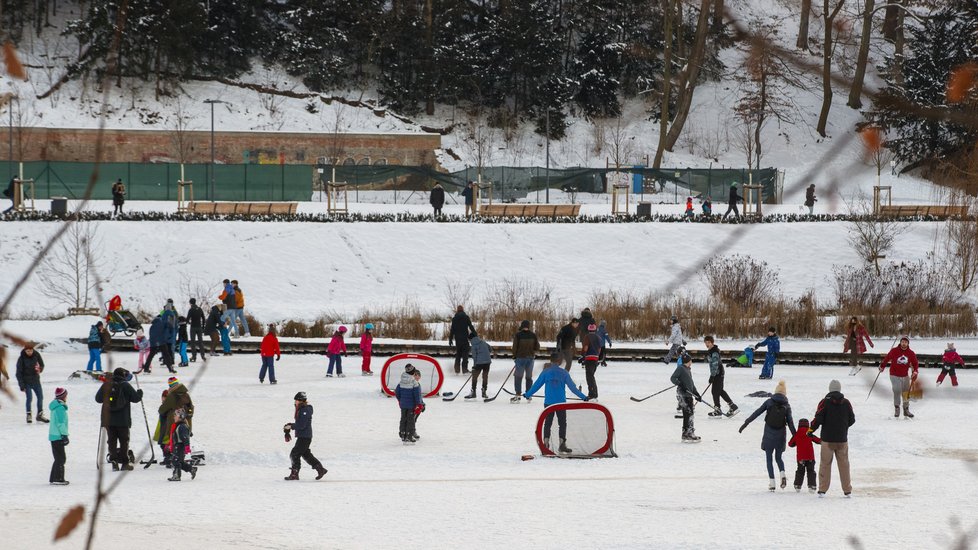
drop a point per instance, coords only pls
(152, 451)
(568, 398)
(454, 395)
(511, 371)
(639, 400)
(874, 384)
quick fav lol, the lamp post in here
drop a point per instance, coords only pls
(10, 132)
(547, 131)
(212, 102)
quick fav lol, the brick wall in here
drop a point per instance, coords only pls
(58, 144)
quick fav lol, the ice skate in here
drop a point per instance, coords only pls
(896, 411)
(471, 395)
(784, 481)
(60, 482)
(41, 417)
(341, 375)
(770, 485)
(29, 421)
(175, 476)
(715, 413)
(811, 489)
(733, 410)
(563, 447)
(546, 443)
(486, 395)
(515, 399)
(193, 473)
(797, 488)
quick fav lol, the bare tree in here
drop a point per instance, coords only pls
(690, 75)
(68, 274)
(806, 11)
(876, 154)
(479, 140)
(457, 293)
(744, 137)
(620, 143)
(872, 237)
(180, 137)
(856, 92)
(831, 11)
(961, 244)
(665, 94)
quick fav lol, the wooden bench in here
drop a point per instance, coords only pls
(910, 210)
(72, 311)
(530, 210)
(244, 208)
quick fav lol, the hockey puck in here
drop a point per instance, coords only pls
(447, 393)
(527, 457)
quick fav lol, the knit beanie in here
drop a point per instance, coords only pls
(803, 423)
(173, 382)
(780, 388)
(60, 394)
(835, 385)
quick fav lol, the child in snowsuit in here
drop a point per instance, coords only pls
(366, 348)
(161, 436)
(225, 336)
(141, 344)
(180, 446)
(605, 341)
(303, 439)
(676, 341)
(773, 345)
(685, 393)
(335, 351)
(950, 358)
(58, 435)
(182, 341)
(408, 394)
(689, 208)
(802, 441)
(717, 375)
(269, 353)
(481, 359)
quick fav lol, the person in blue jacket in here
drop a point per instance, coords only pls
(170, 324)
(773, 345)
(556, 380)
(408, 394)
(605, 340)
(157, 340)
(303, 439)
(58, 435)
(95, 347)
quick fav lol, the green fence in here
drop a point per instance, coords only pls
(297, 182)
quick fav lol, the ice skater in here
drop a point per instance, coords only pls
(302, 424)
(777, 416)
(948, 361)
(676, 341)
(335, 351)
(58, 435)
(408, 394)
(804, 454)
(270, 352)
(717, 375)
(525, 348)
(556, 380)
(773, 345)
(686, 393)
(481, 361)
(366, 348)
(180, 445)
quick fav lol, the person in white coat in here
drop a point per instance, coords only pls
(676, 341)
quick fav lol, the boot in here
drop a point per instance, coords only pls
(29, 421)
(770, 485)
(563, 447)
(41, 417)
(176, 475)
(471, 395)
(59, 482)
(784, 481)
(906, 410)
(733, 409)
(115, 466)
(415, 436)
(293, 475)
(546, 443)
(896, 411)
(320, 471)
(486, 395)
(193, 473)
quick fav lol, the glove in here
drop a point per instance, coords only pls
(288, 427)
(580, 360)
(741, 430)
(288, 437)
(418, 410)
(139, 392)
(913, 376)
(586, 399)
(278, 358)
(710, 381)
(881, 368)
(22, 388)
(64, 439)
(810, 432)
(526, 396)
(609, 344)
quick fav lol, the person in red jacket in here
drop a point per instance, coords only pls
(900, 360)
(855, 343)
(269, 353)
(805, 454)
(950, 359)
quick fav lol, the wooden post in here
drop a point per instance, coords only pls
(18, 197)
(333, 191)
(752, 200)
(619, 190)
(878, 196)
(477, 188)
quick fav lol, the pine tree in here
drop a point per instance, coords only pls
(947, 39)
(237, 31)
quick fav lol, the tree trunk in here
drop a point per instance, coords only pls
(666, 82)
(429, 107)
(761, 116)
(806, 10)
(716, 26)
(898, 44)
(892, 19)
(690, 76)
(823, 116)
(855, 93)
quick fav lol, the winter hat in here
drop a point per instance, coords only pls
(592, 327)
(173, 382)
(60, 394)
(193, 301)
(525, 323)
(120, 372)
(733, 184)
(803, 423)
(780, 388)
(675, 319)
(342, 329)
(905, 338)
(179, 414)
(301, 396)
(369, 326)
(409, 368)
(950, 345)
(835, 385)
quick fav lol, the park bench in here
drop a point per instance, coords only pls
(530, 210)
(909, 210)
(244, 208)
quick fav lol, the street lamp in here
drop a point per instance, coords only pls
(10, 97)
(212, 102)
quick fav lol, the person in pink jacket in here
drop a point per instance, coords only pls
(141, 344)
(335, 351)
(366, 347)
(950, 359)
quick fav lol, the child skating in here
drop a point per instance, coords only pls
(805, 455)
(58, 435)
(141, 344)
(366, 348)
(335, 351)
(180, 446)
(773, 345)
(482, 360)
(685, 394)
(948, 361)
(302, 425)
(182, 341)
(408, 394)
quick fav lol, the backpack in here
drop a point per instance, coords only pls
(117, 399)
(777, 416)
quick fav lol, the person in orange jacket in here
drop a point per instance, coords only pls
(269, 353)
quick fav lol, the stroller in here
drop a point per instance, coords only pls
(120, 320)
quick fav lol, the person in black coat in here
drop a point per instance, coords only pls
(469, 194)
(732, 201)
(29, 368)
(116, 395)
(195, 322)
(566, 340)
(458, 334)
(777, 417)
(834, 416)
(212, 327)
(303, 439)
(437, 198)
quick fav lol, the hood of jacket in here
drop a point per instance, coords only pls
(408, 381)
(781, 398)
(57, 404)
(835, 397)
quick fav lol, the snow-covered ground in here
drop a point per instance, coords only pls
(464, 482)
(304, 270)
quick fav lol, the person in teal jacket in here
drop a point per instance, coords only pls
(556, 381)
(773, 345)
(58, 435)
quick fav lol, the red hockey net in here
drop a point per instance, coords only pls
(590, 431)
(431, 374)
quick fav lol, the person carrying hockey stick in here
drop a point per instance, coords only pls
(556, 380)
(686, 393)
(302, 425)
(717, 374)
(481, 361)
